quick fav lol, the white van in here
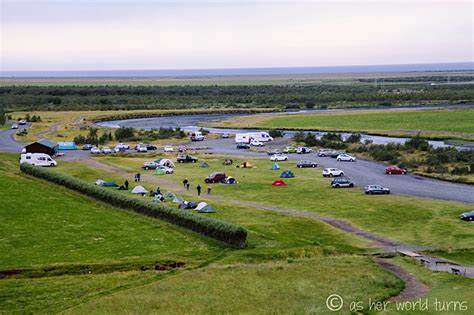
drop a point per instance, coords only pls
(249, 136)
(37, 159)
(242, 138)
(197, 136)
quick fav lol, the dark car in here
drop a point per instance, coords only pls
(395, 170)
(150, 147)
(87, 147)
(467, 216)
(334, 155)
(273, 152)
(341, 182)
(306, 163)
(376, 189)
(184, 158)
(215, 177)
(243, 145)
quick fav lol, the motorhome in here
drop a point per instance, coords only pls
(249, 136)
(37, 159)
(197, 136)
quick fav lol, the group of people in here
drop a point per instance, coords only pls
(198, 187)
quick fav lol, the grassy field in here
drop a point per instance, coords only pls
(437, 123)
(425, 221)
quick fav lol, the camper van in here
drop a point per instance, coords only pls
(249, 136)
(38, 159)
(197, 136)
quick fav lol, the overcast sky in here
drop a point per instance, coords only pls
(146, 34)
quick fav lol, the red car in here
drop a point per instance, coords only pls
(395, 170)
(215, 177)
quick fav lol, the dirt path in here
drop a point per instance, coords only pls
(414, 289)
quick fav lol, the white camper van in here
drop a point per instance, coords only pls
(197, 136)
(261, 136)
(38, 159)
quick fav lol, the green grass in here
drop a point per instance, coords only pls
(440, 123)
(295, 286)
(43, 224)
(406, 219)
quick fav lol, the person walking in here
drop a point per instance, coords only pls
(185, 182)
(209, 189)
(198, 188)
(187, 186)
(138, 177)
(126, 184)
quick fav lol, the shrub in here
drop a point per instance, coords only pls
(299, 136)
(331, 136)
(124, 133)
(354, 138)
(229, 233)
(460, 170)
(274, 133)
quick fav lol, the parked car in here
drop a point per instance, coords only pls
(22, 122)
(341, 182)
(182, 149)
(345, 158)
(122, 146)
(303, 150)
(325, 152)
(332, 172)
(119, 149)
(150, 147)
(215, 177)
(150, 165)
(168, 170)
(184, 158)
(225, 135)
(14, 126)
(243, 145)
(335, 154)
(306, 163)
(87, 147)
(142, 148)
(256, 143)
(395, 170)
(289, 149)
(376, 189)
(278, 157)
(96, 150)
(273, 152)
(467, 216)
(168, 148)
(106, 150)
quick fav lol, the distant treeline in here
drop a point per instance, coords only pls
(433, 79)
(186, 97)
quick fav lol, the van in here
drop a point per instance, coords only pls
(197, 136)
(37, 159)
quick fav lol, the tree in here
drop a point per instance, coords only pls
(124, 133)
(2, 117)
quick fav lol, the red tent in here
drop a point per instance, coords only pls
(279, 183)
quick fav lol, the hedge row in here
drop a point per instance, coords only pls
(229, 233)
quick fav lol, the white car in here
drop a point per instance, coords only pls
(22, 122)
(106, 150)
(332, 172)
(96, 150)
(168, 170)
(121, 147)
(256, 143)
(14, 126)
(345, 158)
(168, 148)
(142, 148)
(278, 157)
(303, 150)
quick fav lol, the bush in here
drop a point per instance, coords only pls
(299, 136)
(331, 136)
(417, 143)
(460, 170)
(124, 133)
(274, 133)
(229, 233)
(354, 138)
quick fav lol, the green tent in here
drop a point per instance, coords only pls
(287, 174)
(159, 171)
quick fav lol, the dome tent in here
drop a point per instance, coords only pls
(139, 190)
(205, 208)
(287, 174)
(275, 167)
(204, 164)
(279, 183)
(245, 164)
(166, 162)
(229, 181)
(159, 171)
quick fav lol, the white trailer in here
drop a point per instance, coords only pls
(242, 138)
(261, 136)
(37, 159)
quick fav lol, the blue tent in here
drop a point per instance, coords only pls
(287, 174)
(67, 146)
(275, 167)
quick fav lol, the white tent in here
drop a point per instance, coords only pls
(167, 163)
(205, 208)
(99, 182)
(139, 190)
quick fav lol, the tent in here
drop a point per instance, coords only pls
(279, 183)
(178, 199)
(204, 164)
(204, 208)
(166, 162)
(245, 165)
(169, 196)
(99, 182)
(229, 181)
(187, 205)
(275, 167)
(159, 171)
(103, 183)
(287, 174)
(139, 190)
(67, 146)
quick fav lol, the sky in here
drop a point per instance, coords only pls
(187, 34)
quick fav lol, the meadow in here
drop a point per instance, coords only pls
(435, 124)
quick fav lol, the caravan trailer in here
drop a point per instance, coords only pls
(37, 159)
(261, 136)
